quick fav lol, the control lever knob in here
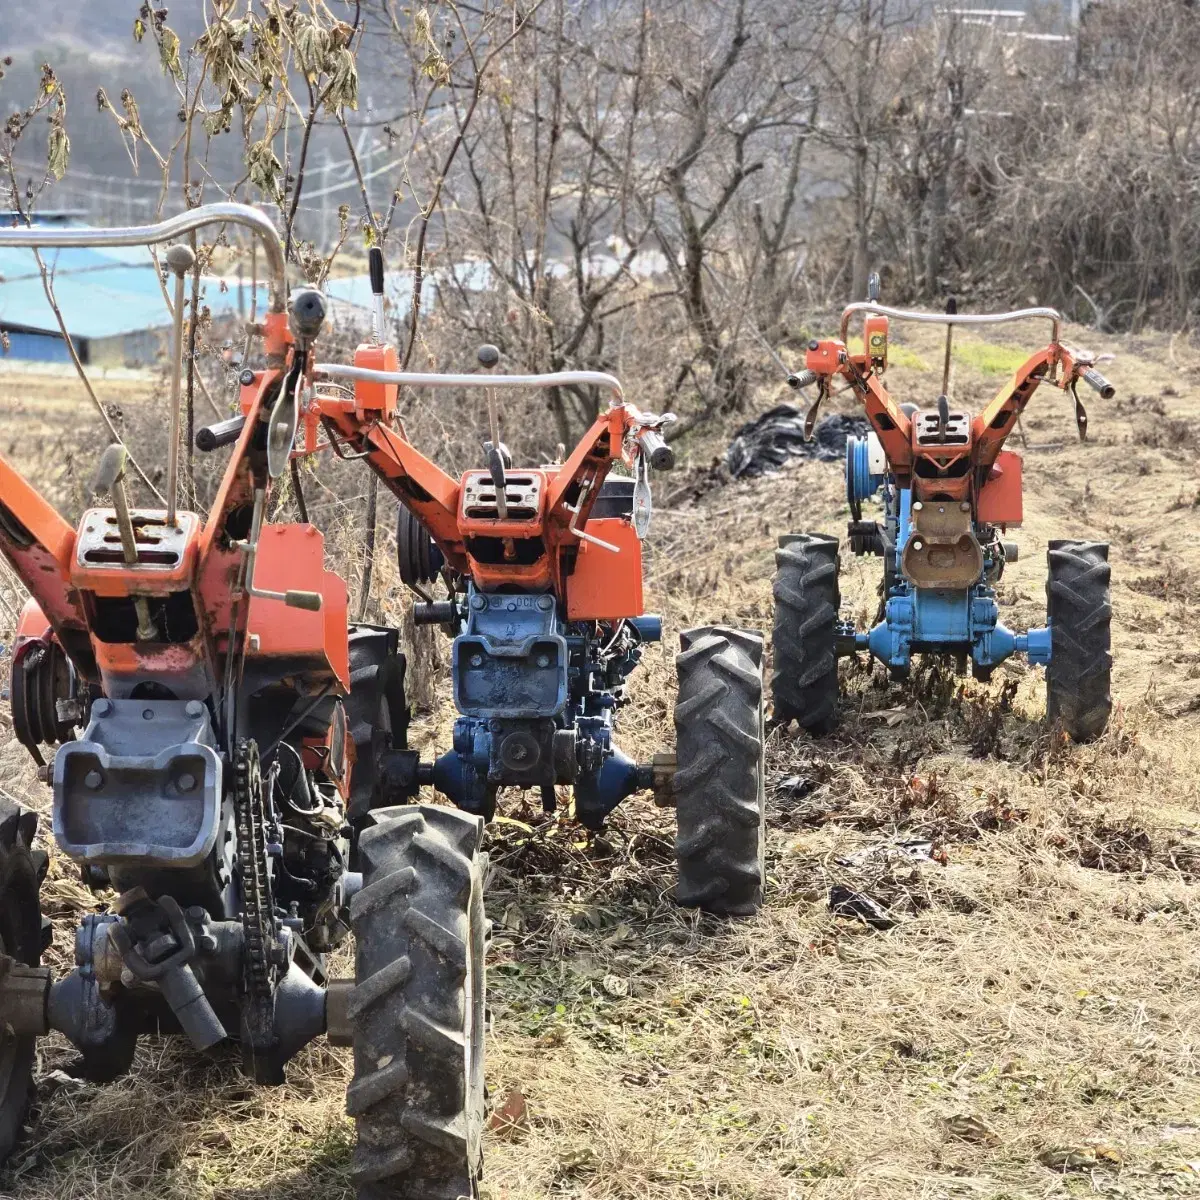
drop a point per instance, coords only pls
(307, 313)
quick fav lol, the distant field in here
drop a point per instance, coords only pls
(1028, 1028)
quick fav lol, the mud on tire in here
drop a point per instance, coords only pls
(719, 784)
(22, 936)
(804, 674)
(1078, 679)
(417, 1008)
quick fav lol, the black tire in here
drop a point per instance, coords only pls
(719, 774)
(21, 936)
(1079, 607)
(417, 1095)
(376, 708)
(804, 675)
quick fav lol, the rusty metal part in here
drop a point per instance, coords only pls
(24, 995)
(662, 778)
(942, 550)
(339, 1028)
(110, 477)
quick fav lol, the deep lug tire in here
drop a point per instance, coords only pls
(21, 873)
(417, 1009)
(1079, 606)
(719, 776)
(804, 674)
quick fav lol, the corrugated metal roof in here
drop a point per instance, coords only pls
(101, 292)
(107, 292)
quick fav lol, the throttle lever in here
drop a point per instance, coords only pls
(810, 419)
(1081, 417)
(495, 466)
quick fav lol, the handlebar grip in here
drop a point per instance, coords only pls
(1095, 380)
(221, 433)
(375, 267)
(309, 601)
(802, 379)
(662, 457)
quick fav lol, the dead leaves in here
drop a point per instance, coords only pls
(510, 1120)
(967, 1128)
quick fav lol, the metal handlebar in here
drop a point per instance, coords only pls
(927, 318)
(1095, 380)
(598, 379)
(164, 231)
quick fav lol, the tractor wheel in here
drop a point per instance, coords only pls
(719, 775)
(376, 708)
(804, 678)
(1080, 611)
(417, 1008)
(21, 874)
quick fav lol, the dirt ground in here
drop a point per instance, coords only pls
(1028, 1025)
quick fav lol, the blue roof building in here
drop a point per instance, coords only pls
(111, 301)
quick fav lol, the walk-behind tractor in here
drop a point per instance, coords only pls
(230, 768)
(950, 493)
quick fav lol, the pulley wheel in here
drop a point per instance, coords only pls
(417, 554)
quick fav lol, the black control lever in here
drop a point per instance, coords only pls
(943, 405)
(220, 433)
(375, 268)
(657, 451)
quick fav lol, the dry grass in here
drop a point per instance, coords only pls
(1025, 1028)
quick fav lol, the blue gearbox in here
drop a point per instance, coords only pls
(536, 696)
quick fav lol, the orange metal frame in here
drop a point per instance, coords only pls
(829, 358)
(366, 424)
